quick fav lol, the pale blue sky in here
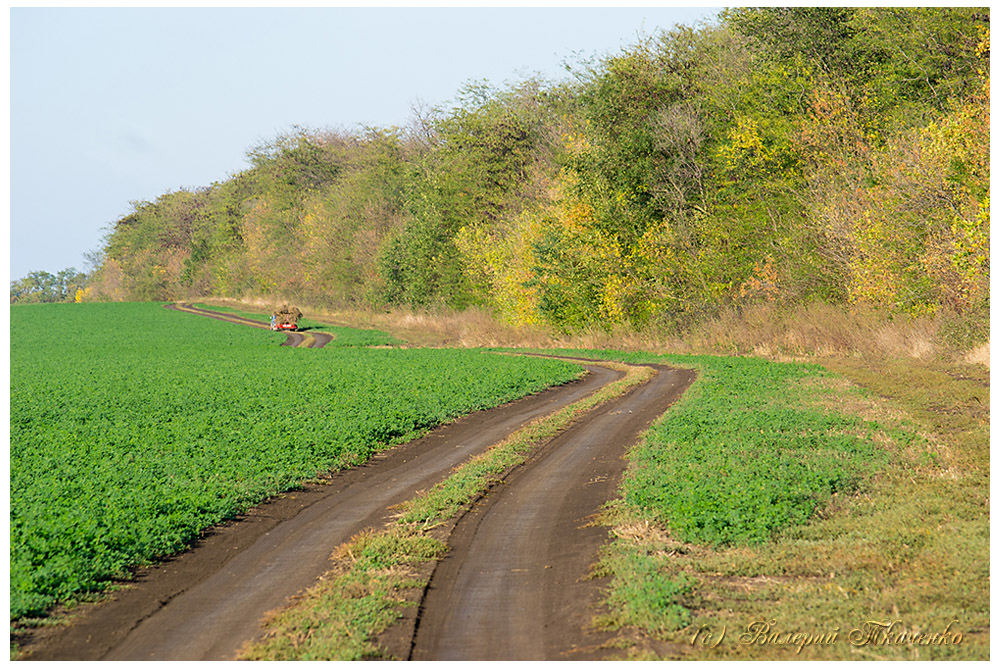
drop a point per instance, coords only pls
(114, 105)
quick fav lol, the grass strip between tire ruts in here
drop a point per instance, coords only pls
(361, 596)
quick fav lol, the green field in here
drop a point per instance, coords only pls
(134, 427)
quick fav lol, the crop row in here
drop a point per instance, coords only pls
(134, 427)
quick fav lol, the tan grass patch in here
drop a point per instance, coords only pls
(639, 531)
(978, 355)
(761, 582)
(840, 395)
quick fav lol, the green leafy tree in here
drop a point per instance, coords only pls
(44, 287)
(474, 171)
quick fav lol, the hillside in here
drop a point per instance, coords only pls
(779, 158)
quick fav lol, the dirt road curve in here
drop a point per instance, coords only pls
(514, 585)
(294, 339)
(205, 603)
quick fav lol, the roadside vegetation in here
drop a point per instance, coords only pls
(134, 427)
(854, 507)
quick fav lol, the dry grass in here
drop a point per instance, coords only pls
(819, 330)
(979, 355)
(809, 332)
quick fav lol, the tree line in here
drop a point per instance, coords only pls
(44, 287)
(785, 155)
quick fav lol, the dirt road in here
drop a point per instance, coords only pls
(515, 583)
(294, 339)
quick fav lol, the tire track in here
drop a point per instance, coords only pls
(515, 584)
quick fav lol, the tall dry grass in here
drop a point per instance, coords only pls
(765, 330)
(820, 330)
(803, 332)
